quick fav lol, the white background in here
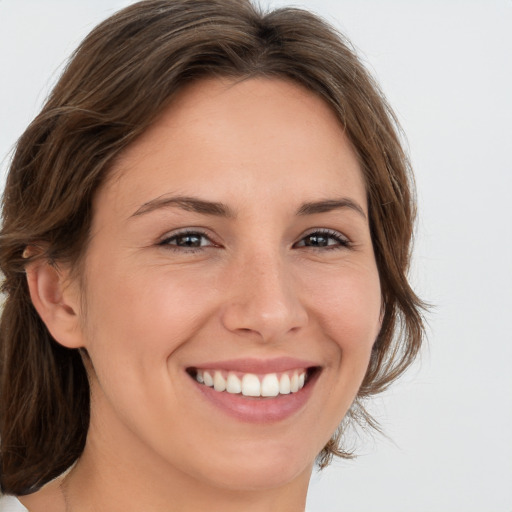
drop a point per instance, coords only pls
(446, 67)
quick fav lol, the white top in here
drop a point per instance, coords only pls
(11, 504)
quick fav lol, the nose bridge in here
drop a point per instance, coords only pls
(264, 298)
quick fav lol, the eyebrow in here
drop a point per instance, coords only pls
(196, 205)
(329, 205)
(190, 204)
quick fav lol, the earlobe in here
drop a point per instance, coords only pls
(56, 301)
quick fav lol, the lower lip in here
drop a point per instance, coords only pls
(259, 410)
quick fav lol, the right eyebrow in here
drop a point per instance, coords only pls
(328, 205)
(190, 204)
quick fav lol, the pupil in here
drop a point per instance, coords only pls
(189, 241)
(316, 240)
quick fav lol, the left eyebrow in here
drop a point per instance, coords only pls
(191, 204)
(329, 205)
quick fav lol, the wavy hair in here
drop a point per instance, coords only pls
(126, 71)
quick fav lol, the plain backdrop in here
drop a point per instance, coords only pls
(446, 67)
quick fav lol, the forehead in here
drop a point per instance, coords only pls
(241, 136)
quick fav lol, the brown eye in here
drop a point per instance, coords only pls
(192, 240)
(317, 240)
(323, 239)
(187, 240)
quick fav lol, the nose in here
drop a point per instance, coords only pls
(263, 299)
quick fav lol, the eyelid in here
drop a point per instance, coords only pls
(164, 240)
(343, 240)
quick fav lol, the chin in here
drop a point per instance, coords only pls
(260, 468)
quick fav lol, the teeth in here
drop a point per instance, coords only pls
(208, 379)
(294, 383)
(270, 385)
(233, 384)
(284, 385)
(219, 382)
(250, 385)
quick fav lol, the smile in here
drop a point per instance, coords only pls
(258, 391)
(252, 385)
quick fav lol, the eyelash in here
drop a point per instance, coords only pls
(182, 234)
(341, 241)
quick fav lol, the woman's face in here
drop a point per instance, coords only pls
(230, 244)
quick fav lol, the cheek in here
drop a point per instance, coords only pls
(137, 322)
(141, 318)
(347, 305)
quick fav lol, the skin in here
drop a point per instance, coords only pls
(253, 289)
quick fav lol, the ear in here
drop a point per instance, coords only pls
(57, 300)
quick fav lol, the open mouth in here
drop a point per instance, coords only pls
(254, 385)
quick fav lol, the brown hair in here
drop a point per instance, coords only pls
(117, 82)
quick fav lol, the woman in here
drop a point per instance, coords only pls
(205, 240)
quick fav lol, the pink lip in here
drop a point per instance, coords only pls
(258, 410)
(258, 366)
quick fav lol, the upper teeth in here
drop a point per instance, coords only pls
(250, 384)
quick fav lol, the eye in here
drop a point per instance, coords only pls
(323, 239)
(187, 240)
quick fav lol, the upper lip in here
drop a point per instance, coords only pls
(252, 365)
